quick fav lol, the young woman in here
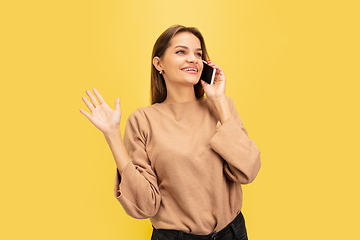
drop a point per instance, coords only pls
(183, 159)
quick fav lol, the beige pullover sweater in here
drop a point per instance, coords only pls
(186, 168)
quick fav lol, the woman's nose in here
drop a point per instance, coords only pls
(191, 59)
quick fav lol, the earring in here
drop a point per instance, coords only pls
(160, 72)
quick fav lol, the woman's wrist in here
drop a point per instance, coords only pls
(113, 133)
(222, 107)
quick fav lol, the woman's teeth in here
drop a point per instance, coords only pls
(190, 69)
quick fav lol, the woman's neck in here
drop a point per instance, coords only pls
(180, 94)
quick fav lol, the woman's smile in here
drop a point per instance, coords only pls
(190, 69)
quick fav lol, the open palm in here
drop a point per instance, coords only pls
(102, 116)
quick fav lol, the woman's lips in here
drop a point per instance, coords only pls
(191, 70)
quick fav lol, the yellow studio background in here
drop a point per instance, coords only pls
(292, 68)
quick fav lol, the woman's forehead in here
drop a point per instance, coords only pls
(186, 39)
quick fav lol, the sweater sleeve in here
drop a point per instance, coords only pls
(137, 189)
(241, 155)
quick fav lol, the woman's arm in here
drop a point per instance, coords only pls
(241, 154)
(136, 188)
(118, 149)
(231, 142)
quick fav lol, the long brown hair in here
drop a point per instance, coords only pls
(158, 87)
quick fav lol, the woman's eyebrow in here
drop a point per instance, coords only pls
(181, 46)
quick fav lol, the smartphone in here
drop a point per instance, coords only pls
(208, 73)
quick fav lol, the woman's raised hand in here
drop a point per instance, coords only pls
(216, 93)
(102, 116)
(217, 89)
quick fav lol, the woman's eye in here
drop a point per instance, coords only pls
(198, 55)
(180, 52)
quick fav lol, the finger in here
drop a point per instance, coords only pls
(117, 104)
(210, 63)
(219, 71)
(206, 87)
(98, 95)
(85, 113)
(213, 65)
(92, 98)
(204, 84)
(88, 104)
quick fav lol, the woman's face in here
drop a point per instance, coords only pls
(182, 60)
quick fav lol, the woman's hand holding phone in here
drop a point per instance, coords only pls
(217, 89)
(216, 93)
(104, 118)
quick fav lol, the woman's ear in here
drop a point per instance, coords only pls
(157, 64)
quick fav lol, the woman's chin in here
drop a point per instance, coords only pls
(189, 81)
(193, 81)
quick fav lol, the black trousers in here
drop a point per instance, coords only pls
(235, 230)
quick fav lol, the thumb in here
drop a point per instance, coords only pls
(204, 84)
(117, 104)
